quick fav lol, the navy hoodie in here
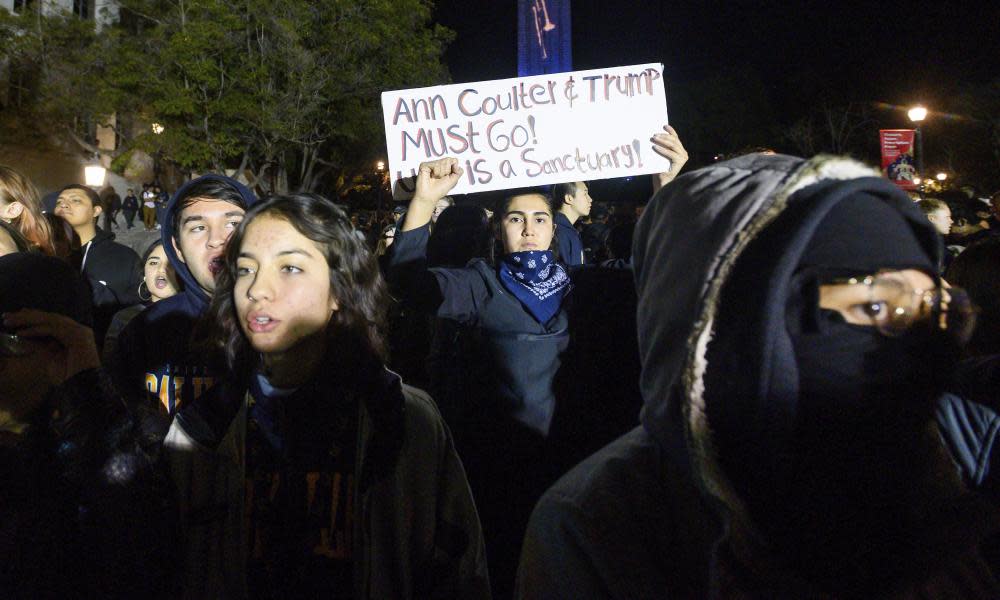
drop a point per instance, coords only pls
(155, 354)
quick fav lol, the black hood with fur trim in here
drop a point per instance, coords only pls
(720, 378)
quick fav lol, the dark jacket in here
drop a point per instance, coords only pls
(155, 351)
(130, 204)
(969, 419)
(521, 355)
(114, 272)
(416, 532)
(508, 362)
(85, 512)
(570, 246)
(593, 237)
(652, 515)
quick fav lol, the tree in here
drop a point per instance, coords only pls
(49, 80)
(836, 129)
(287, 92)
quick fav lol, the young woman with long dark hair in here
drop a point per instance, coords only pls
(338, 480)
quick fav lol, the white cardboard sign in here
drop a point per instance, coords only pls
(529, 131)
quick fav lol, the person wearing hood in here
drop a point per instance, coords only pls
(113, 270)
(86, 511)
(158, 353)
(794, 339)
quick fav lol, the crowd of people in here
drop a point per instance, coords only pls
(774, 379)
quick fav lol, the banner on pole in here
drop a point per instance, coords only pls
(898, 157)
(544, 37)
(530, 131)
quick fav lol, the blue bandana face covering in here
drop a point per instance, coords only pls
(536, 280)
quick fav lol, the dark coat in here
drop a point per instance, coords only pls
(416, 533)
(130, 204)
(653, 515)
(114, 272)
(155, 351)
(84, 510)
(570, 246)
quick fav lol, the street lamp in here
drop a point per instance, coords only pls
(94, 173)
(380, 171)
(941, 176)
(917, 114)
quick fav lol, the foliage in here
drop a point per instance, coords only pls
(48, 81)
(288, 91)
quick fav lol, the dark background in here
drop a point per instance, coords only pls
(741, 74)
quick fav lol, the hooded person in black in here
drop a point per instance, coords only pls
(787, 445)
(84, 510)
(157, 353)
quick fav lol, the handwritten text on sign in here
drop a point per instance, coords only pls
(531, 130)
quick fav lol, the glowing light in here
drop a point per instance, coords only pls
(941, 176)
(917, 114)
(917, 180)
(157, 128)
(94, 175)
(380, 166)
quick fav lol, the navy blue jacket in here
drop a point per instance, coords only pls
(570, 245)
(155, 352)
(522, 355)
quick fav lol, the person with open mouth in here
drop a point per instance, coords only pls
(159, 282)
(158, 352)
(340, 480)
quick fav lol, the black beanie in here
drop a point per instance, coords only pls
(44, 283)
(862, 235)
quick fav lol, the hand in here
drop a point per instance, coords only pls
(669, 146)
(78, 349)
(436, 178)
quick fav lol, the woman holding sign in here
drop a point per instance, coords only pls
(514, 329)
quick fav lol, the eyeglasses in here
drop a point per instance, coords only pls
(12, 345)
(895, 306)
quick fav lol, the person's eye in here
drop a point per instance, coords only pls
(873, 312)
(541, 220)
(515, 219)
(290, 269)
(232, 224)
(244, 270)
(196, 229)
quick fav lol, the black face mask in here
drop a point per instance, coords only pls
(864, 458)
(855, 372)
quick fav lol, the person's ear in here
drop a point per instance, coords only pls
(334, 306)
(98, 210)
(12, 211)
(177, 250)
(568, 199)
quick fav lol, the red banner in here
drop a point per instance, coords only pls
(899, 162)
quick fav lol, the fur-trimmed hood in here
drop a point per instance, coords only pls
(686, 246)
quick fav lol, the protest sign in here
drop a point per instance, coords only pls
(898, 162)
(530, 131)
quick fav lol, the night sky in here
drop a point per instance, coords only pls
(798, 56)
